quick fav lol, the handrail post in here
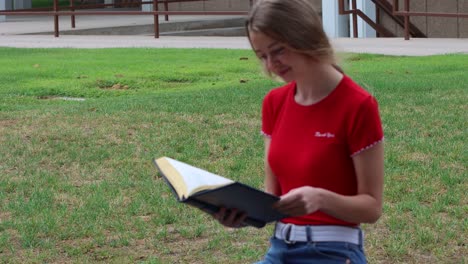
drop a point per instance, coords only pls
(166, 8)
(341, 9)
(355, 27)
(72, 17)
(377, 19)
(156, 19)
(56, 19)
(407, 19)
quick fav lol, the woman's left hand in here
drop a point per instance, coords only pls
(300, 201)
(230, 217)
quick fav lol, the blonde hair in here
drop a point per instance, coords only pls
(293, 22)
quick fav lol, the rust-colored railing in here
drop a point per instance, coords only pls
(407, 14)
(56, 12)
(387, 7)
(395, 12)
(355, 13)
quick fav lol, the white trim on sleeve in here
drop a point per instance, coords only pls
(265, 134)
(368, 147)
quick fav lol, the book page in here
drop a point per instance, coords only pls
(197, 179)
(172, 176)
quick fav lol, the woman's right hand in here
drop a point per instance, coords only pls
(230, 217)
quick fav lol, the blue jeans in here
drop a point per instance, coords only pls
(313, 252)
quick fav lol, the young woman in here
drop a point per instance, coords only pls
(323, 141)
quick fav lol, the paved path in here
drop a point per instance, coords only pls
(388, 46)
(16, 32)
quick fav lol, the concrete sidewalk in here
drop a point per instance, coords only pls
(21, 32)
(387, 46)
(17, 25)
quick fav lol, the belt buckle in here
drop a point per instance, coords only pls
(286, 232)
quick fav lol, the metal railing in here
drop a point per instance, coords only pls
(395, 12)
(409, 28)
(56, 12)
(387, 7)
(407, 14)
(357, 12)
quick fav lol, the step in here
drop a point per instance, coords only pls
(202, 26)
(219, 32)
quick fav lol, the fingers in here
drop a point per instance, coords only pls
(287, 203)
(290, 209)
(230, 218)
(300, 201)
(220, 214)
(292, 203)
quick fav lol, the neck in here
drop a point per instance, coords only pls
(316, 86)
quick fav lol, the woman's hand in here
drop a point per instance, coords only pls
(300, 201)
(230, 217)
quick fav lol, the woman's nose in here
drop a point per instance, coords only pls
(270, 62)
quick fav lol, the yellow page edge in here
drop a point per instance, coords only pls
(173, 176)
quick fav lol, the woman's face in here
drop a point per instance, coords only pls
(278, 58)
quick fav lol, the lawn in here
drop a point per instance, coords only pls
(61, 3)
(79, 130)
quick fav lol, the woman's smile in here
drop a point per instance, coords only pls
(283, 71)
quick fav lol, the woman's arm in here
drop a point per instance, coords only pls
(365, 207)
(271, 183)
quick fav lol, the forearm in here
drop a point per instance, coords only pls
(361, 208)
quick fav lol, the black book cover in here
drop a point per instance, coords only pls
(257, 204)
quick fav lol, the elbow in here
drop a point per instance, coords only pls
(375, 210)
(374, 215)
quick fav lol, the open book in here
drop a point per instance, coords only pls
(209, 192)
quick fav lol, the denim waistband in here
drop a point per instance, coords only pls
(291, 233)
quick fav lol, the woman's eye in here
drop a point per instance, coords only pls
(278, 50)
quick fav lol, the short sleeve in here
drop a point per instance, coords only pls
(366, 128)
(272, 106)
(267, 116)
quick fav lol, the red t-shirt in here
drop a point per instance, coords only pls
(314, 145)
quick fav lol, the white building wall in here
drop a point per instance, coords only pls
(334, 24)
(2, 7)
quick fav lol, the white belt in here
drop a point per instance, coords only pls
(324, 233)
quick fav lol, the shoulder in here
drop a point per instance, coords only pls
(272, 106)
(277, 95)
(354, 91)
(353, 98)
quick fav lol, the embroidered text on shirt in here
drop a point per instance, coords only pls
(325, 135)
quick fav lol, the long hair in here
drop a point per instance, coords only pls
(293, 22)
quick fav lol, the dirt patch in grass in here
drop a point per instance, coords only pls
(111, 85)
(5, 216)
(418, 157)
(374, 234)
(64, 98)
(8, 123)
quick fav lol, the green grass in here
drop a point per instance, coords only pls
(62, 3)
(77, 183)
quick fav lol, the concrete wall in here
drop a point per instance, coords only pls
(15, 4)
(221, 5)
(2, 7)
(463, 22)
(433, 27)
(211, 5)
